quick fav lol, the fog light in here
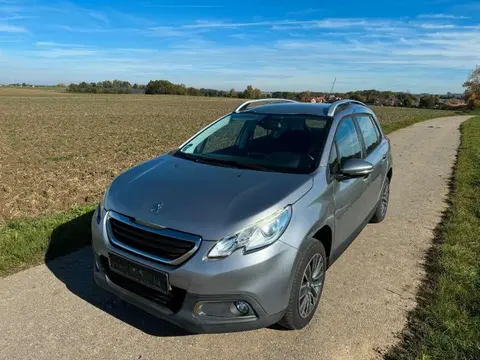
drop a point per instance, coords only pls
(229, 309)
(242, 307)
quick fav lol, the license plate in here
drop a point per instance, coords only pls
(154, 279)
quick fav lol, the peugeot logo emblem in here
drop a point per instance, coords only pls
(157, 207)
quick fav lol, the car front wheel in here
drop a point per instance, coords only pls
(307, 286)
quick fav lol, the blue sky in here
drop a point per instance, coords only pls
(408, 45)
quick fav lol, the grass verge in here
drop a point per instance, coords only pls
(393, 126)
(446, 321)
(28, 242)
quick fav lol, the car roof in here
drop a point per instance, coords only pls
(301, 108)
(291, 108)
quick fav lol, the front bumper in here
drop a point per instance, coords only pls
(262, 279)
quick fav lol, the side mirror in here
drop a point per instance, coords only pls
(353, 168)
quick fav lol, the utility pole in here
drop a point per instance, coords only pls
(334, 81)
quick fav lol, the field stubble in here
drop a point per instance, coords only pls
(62, 150)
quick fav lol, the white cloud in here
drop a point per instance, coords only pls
(208, 24)
(437, 26)
(56, 53)
(167, 31)
(10, 9)
(54, 44)
(16, 17)
(88, 30)
(441, 16)
(330, 23)
(12, 29)
(99, 16)
(135, 50)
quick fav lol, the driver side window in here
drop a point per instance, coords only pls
(348, 143)
(333, 160)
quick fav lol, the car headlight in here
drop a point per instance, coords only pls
(257, 236)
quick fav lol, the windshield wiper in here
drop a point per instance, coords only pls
(252, 166)
(186, 156)
(236, 164)
(221, 162)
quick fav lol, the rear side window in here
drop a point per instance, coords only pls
(349, 146)
(370, 133)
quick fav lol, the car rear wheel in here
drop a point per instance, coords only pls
(382, 206)
(307, 286)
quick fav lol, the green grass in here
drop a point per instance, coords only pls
(28, 242)
(446, 322)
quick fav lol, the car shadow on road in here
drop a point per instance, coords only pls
(75, 270)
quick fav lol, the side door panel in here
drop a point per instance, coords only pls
(349, 209)
(349, 194)
(377, 150)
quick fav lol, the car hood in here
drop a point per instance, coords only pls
(202, 199)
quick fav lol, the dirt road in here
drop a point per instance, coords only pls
(56, 311)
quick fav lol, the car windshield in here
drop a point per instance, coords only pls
(269, 142)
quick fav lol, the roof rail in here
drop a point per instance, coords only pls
(333, 108)
(244, 106)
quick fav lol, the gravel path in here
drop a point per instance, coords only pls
(55, 311)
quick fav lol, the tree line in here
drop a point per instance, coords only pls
(371, 97)
(106, 87)
(166, 87)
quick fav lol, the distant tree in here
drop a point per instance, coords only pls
(472, 91)
(358, 96)
(248, 92)
(428, 101)
(232, 93)
(407, 102)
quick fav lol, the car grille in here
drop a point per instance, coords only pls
(163, 245)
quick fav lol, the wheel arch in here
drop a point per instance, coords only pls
(325, 236)
(390, 174)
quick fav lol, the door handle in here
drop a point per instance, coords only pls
(384, 157)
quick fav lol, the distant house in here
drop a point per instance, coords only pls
(455, 103)
(334, 98)
(317, 99)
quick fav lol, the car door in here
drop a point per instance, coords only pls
(374, 154)
(349, 194)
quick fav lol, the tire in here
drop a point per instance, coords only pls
(382, 206)
(294, 317)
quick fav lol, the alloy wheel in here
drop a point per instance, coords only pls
(311, 286)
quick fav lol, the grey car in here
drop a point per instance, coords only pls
(235, 229)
